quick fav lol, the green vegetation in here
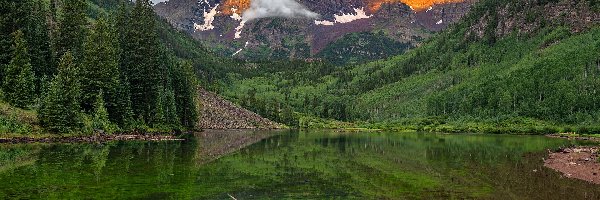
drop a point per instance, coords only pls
(83, 71)
(358, 48)
(17, 121)
(18, 86)
(543, 79)
(60, 111)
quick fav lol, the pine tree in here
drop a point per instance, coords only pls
(170, 108)
(139, 59)
(101, 119)
(167, 105)
(71, 27)
(100, 68)
(184, 86)
(38, 40)
(123, 114)
(18, 85)
(12, 18)
(60, 111)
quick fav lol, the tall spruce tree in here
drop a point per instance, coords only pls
(13, 17)
(139, 59)
(18, 85)
(184, 87)
(123, 115)
(38, 39)
(100, 68)
(168, 107)
(71, 28)
(100, 120)
(60, 111)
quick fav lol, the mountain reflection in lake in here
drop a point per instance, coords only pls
(288, 164)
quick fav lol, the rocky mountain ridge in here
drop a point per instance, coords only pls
(220, 25)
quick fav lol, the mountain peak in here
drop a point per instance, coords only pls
(230, 7)
(223, 24)
(416, 5)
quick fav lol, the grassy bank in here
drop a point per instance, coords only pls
(509, 125)
(15, 122)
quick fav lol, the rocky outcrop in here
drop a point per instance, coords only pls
(218, 113)
(527, 17)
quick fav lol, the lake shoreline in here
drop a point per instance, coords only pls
(580, 162)
(97, 138)
(101, 138)
(574, 136)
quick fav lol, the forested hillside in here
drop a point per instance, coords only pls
(76, 66)
(508, 66)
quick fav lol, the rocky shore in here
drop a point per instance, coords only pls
(573, 136)
(576, 162)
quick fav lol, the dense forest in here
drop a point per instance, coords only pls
(539, 75)
(76, 66)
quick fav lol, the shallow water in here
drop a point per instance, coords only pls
(292, 165)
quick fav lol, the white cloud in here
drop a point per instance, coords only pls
(277, 8)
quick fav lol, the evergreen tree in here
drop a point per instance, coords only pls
(60, 111)
(140, 61)
(100, 119)
(71, 27)
(184, 86)
(100, 68)
(167, 104)
(12, 19)
(18, 85)
(170, 107)
(123, 115)
(38, 41)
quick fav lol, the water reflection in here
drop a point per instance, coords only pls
(280, 165)
(213, 144)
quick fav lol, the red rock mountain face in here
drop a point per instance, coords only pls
(219, 24)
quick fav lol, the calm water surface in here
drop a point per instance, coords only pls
(292, 165)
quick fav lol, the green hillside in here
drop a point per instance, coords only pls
(481, 75)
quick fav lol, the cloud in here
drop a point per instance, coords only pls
(277, 8)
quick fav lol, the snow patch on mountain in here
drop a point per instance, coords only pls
(238, 30)
(209, 17)
(345, 17)
(235, 15)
